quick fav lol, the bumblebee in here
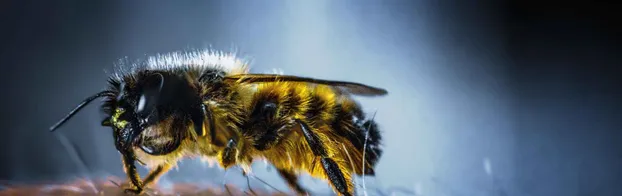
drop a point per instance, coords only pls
(204, 104)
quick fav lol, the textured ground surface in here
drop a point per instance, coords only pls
(106, 187)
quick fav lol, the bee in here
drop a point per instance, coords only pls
(205, 104)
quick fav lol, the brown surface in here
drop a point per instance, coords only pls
(105, 187)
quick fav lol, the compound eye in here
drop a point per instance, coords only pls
(141, 104)
(148, 100)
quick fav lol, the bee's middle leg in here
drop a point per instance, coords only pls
(156, 173)
(227, 156)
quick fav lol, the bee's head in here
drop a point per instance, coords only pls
(146, 100)
(138, 104)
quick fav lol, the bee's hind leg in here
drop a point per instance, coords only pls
(340, 182)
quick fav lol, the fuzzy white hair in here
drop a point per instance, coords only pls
(228, 62)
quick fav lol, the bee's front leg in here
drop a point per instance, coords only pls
(136, 184)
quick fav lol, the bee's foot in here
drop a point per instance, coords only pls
(133, 191)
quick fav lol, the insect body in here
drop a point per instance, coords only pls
(207, 105)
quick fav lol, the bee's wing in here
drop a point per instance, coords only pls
(349, 87)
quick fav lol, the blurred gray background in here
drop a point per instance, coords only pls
(485, 97)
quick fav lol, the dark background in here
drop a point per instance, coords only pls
(529, 87)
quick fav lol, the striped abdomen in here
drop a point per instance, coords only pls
(334, 117)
